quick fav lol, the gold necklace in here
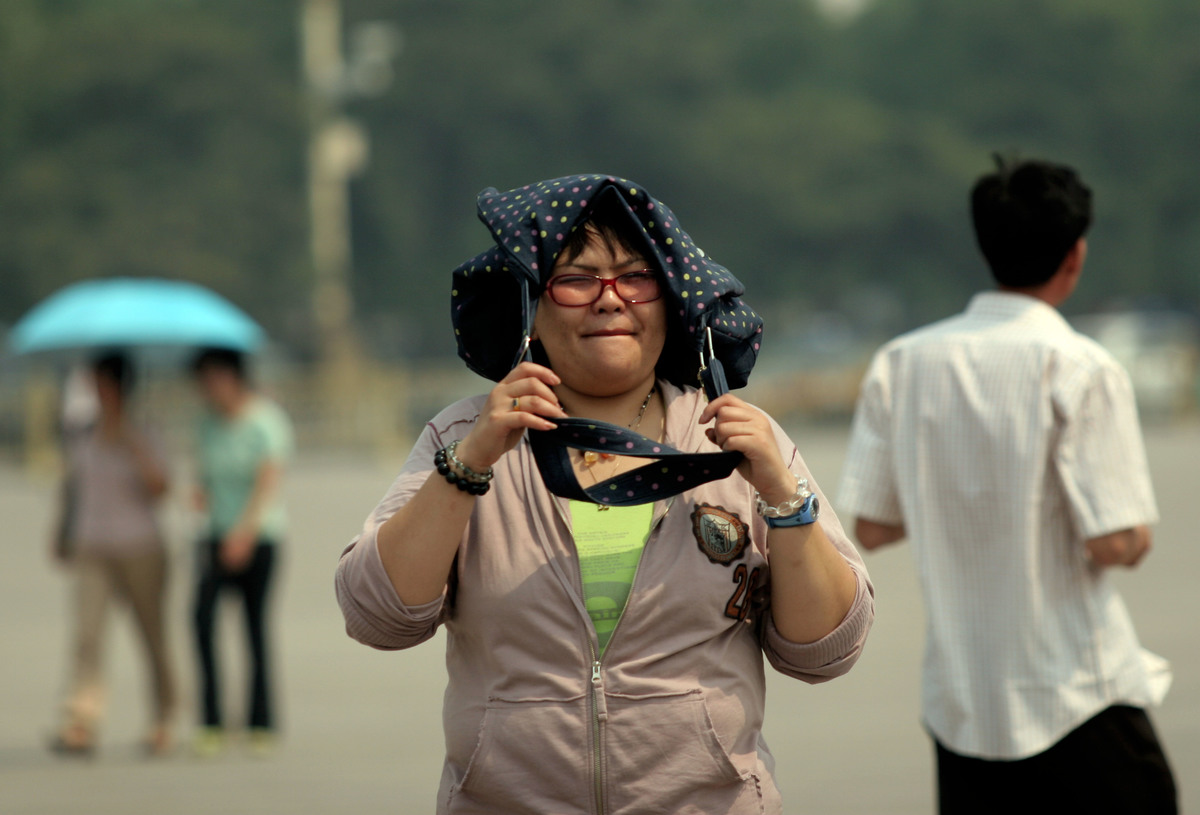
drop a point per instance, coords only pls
(592, 457)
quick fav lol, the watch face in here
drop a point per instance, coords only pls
(814, 507)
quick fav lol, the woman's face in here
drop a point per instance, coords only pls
(220, 387)
(609, 347)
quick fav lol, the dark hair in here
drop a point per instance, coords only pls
(1027, 216)
(115, 366)
(225, 359)
(609, 224)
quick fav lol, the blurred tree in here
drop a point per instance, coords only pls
(147, 138)
(1107, 86)
(825, 161)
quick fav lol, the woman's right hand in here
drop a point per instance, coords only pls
(520, 401)
(418, 544)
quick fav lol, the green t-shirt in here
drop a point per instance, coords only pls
(230, 452)
(609, 544)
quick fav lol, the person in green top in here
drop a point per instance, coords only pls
(242, 443)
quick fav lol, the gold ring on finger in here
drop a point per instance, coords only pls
(516, 404)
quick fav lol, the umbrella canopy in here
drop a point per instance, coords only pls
(125, 311)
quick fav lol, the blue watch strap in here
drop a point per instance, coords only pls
(807, 514)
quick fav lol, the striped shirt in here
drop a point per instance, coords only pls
(1002, 440)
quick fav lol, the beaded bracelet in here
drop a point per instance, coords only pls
(465, 478)
(788, 507)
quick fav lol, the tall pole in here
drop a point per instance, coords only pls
(337, 151)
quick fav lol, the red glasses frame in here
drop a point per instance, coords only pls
(615, 282)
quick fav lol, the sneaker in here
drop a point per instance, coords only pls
(208, 742)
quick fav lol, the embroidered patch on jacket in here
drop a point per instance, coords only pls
(721, 534)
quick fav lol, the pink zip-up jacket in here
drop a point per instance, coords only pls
(669, 718)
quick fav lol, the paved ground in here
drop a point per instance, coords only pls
(363, 731)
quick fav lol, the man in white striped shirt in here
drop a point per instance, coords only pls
(1006, 447)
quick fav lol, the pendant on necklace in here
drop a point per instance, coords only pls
(602, 507)
(590, 457)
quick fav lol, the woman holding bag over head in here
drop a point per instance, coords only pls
(605, 649)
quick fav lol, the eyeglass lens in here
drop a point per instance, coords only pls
(584, 289)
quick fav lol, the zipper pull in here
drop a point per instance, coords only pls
(598, 693)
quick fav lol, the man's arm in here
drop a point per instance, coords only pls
(1124, 548)
(869, 480)
(872, 534)
(1101, 462)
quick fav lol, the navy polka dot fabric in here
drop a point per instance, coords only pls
(495, 294)
(672, 471)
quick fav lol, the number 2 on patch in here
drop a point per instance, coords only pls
(738, 607)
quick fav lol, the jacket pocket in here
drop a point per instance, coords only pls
(662, 754)
(531, 756)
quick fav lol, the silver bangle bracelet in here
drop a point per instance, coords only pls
(788, 507)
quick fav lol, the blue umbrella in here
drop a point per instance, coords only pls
(126, 311)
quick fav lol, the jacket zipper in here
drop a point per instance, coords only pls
(599, 703)
(599, 717)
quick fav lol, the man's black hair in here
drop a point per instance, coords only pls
(1027, 216)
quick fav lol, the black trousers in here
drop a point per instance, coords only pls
(1112, 763)
(252, 583)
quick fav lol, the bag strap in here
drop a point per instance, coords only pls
(671, 473)
(528, 310)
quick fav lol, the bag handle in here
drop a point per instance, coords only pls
(671, 473)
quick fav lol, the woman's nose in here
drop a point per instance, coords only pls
(609, 300)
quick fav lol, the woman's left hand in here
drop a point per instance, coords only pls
(747, 430)
(812, 584)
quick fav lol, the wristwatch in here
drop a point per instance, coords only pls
(801, 509)
(808, 513)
